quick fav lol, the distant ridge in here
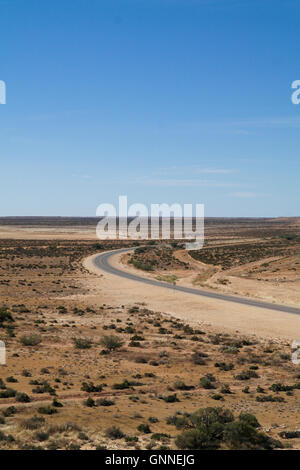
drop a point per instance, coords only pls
(60, 221)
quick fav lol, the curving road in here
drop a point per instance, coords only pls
(102, 261)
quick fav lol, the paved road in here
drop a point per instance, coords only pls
(102, 261)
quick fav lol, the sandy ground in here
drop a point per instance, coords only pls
(222, 315)
(47, 233)
(281, 288)
(287, 293)
(270, 288)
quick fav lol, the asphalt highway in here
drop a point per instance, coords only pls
(102, 261)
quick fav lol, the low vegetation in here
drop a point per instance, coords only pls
(87, 374)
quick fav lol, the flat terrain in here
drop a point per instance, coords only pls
(265, 266)
(176, 353)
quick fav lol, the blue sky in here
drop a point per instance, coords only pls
(162, 100)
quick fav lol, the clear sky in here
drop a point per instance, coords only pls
(161, 100)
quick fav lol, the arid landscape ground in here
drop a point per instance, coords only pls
(99, 362)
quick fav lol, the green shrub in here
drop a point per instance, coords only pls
(104, 402)
(43, 387)
(217, 396)
(196, 439)
(90, 387)
(290, 434)
(153, 419)
(269, 398)
(22, 397)
(198, 358)
(6, 437)
(131, 439)
(246, 375)
(10, 411)
(42, 436)
(278, 387)
(30, 340)
(89, 402)
(160, 436)
(240, 435)
(111, 342)
(47, 410)
(212, 427)
(170, 398)
(180, 385)
(224, 366)
(179, 421)
(5, 317)
(206, 382)
(144, 428)
(249, 419)
(7, 393)
(33, 423)
(126, 384)
(11, 379)
(114, 433)
(82, 343)
(56, 403)
(225, 389)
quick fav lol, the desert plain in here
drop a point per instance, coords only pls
(95, 361)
